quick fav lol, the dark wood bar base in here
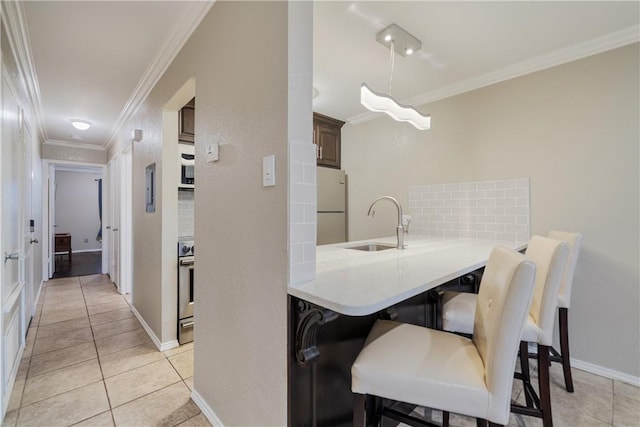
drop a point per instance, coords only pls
(322, 346)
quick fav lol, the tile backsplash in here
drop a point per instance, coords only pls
(496, 210)
(185, 213)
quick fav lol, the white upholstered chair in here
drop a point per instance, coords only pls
(432, 368)
(564, 300)
(550, 257)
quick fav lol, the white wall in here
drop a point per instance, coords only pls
(67, 152)
(76, 207)
(573, 129)
(241, 228)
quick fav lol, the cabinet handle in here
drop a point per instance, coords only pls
(108, 227)
(317, 151)
(34, 241)
(320, 152)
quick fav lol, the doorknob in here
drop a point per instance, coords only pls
(14, 256)
(34, 241)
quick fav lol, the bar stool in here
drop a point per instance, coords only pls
(550, 257)
(432, 368)
(564, 299)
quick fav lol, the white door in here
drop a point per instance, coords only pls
(30, 242)
(114, 208)
(125, 223)
(11, 238)
(51, 209)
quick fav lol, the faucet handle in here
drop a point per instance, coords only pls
(406, 221)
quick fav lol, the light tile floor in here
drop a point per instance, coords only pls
(88, 362)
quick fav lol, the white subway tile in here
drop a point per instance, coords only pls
(509, 183)
(515, 228)
(309, 252)
(486, 185)
(436, 203)
(297, 253)
(506, 236)
(506, 219)
(444, 211)
(487, 219)
(506, 202)
(517, 210)
(486, 235)
(297, 213)
(494, 194)
(495, 227)
(518, 192)
(451, 203)
(303, 193)
(451, 218)
(494, 210)
(467, 186)
(522, 201)
(297, 172)
(310, 173)
(436, 188)
(522, 219)
(523, 183)
(486, 202)
(310, 212)
(444, 196)
(303, 233)
(452, 187)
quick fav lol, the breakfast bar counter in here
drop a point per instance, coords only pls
(356, 282)
(330, 316)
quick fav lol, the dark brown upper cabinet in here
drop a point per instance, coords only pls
(186, 122)
(326, 137)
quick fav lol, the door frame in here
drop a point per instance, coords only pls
(48, 208)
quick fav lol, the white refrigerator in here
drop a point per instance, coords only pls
(332, 202)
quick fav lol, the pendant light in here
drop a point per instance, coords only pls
(393, 36)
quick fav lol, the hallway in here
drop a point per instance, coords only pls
(89, 362)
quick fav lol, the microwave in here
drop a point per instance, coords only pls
(187, 165)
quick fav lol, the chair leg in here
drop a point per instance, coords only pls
(544, 385)
(564, 347)
(445, 418)
(524, 367)
(359, 413)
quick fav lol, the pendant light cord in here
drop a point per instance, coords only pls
(392, 63)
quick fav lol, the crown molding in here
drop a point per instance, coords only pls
(74, 145)
(561, 56)
(180, 33)
(18, 37)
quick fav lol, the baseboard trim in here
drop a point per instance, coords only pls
(612, 374)
(162, 346)
(82, 251)
(206, 409)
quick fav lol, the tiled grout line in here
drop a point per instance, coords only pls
(36, 325)
(95, 346)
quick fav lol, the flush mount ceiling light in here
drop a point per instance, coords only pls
(80, 124)
(394, 38)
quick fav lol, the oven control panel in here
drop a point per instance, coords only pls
(186, 248)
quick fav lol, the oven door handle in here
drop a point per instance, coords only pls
(186, 262)
(187, 325)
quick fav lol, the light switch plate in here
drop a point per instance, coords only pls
(213, 152)
(269, 171)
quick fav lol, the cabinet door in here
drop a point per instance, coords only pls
(328, 146)
(326, 136)
(187, 122)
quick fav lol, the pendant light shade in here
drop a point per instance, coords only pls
(385, 104)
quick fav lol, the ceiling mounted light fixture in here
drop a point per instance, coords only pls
(80, 124)
(395, 37)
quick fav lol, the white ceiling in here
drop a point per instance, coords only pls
(465, 45)
(96, 60)
(92, 58)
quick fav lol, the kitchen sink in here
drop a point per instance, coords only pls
(371, 247)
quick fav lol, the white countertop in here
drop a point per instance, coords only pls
(358, 283)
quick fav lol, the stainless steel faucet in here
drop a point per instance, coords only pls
(400, 228)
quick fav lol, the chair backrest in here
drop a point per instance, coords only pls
(550, 257)
(501, 310)
(575, 243)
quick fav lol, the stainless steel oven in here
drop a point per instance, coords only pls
(185, 290)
